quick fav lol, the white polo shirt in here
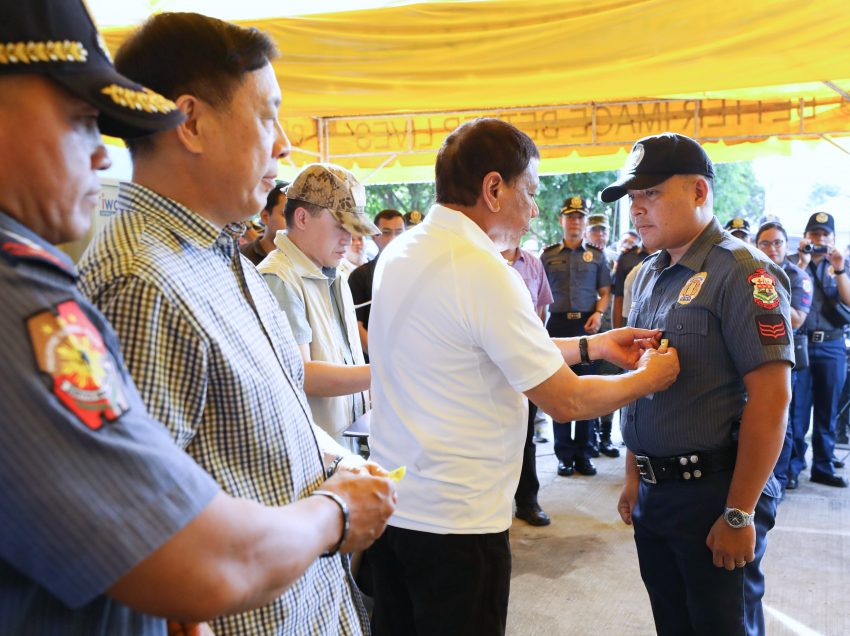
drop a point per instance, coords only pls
(453, 341)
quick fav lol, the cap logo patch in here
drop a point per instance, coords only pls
(587, 257)
(635, 157)
(737, 223)
(764, 289)
(691, 289)
(70, 350)
(822, 217)
(145, 99)
(772, 329)
(36, 52)
(576, 203)
(415, 217)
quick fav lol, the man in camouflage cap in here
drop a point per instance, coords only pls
(324, 209)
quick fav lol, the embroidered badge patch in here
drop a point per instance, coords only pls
(764, 289)
(587, 257)
(69, 349)
(807, 285)
(772, 329)
(691, 288)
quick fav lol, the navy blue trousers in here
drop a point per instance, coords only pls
(818, 386)
(569, 444)
(689, 595)
(783, 463)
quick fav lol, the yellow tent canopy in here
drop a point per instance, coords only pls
(377, 90)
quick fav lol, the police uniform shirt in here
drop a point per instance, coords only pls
(801, 286)
(575, 276)
(724, 307)
(824, 283)
(90, 484)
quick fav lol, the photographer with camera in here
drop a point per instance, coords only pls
(820, 384)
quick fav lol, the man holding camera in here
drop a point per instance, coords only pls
(820, 384)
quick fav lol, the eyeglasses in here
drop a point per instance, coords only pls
(763, 245)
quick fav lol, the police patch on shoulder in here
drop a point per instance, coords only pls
(764, 289)
(772, 329)
(70, 350)
(690, 290)
(15, 247)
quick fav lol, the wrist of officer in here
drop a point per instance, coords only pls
(839, 272)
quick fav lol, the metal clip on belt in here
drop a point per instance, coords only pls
(686, 467)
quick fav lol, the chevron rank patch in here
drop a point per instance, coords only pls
(772, 329)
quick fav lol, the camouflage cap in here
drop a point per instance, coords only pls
(329, 186)
(597, 220)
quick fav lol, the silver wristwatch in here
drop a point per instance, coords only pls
(738, 518)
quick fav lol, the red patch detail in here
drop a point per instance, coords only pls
(16, 248)
(69, 349)
(764, 289)
(772, 329)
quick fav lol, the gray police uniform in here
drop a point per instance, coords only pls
(724, 307)
(575, 276)
(90, 485)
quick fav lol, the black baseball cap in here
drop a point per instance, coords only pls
(821, 221)
(58, 39)
(657, 158)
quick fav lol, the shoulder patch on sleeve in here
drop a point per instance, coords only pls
(764, 289)
(772, 329)
(16, 248)
(70, 350)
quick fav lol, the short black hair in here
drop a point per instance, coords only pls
(274, 196)
(771, 225)
(386, 215)
(475, 148)
(192, 54)
(294, 204)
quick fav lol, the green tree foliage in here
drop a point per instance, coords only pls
(404, 197)
(737, 192)
(821, 193)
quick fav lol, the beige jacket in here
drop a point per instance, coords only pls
(309, 283)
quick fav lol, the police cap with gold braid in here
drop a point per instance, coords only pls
(58, 39)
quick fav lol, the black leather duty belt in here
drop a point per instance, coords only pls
(575, 315)
(689, 466)
(825, 336)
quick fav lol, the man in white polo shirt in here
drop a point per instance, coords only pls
(448, 388)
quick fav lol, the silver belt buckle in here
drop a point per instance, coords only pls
(645, 469)
(573, 315)
(817, 336)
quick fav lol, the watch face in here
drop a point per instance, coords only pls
(735, 518)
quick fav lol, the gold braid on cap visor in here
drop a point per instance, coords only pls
(144, 99)
(35, 52)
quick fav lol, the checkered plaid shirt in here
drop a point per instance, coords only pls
(214, 360)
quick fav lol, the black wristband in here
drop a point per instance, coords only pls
(582, 350)
(345, 520)
(838, 272)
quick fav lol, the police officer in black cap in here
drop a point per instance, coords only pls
(580, 279)
(820, 384)
(739, 227)
(699, 488)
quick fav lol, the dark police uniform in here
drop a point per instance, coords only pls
(820, 384)
(575, 276)
(724, 307)
(801, 300)
(90, 485)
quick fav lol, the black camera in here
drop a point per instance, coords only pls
(816, 249)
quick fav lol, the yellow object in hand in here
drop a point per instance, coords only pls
(398, 474)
